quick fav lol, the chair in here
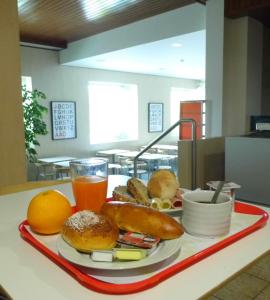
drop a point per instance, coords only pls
(142, 170)
(126, 164)
(45, 171)
(140, 174)
(168, 164)
(114, 169)
(62, 172)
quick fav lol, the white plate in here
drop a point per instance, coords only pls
(164, 251)
(171, 210)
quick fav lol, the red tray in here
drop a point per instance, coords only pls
(128, 288)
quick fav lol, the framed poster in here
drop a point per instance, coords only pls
(155, 117)
(63, 116)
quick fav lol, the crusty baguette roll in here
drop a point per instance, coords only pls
(120, 193)
(141, 219)
(162, 184)
(87, 231)
(138, 190)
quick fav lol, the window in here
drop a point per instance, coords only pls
(27, 81)
(113, 112)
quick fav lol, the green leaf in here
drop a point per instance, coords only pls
(34, 125)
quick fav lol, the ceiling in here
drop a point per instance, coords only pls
(173, 57)
(257, 9)
(57, 23)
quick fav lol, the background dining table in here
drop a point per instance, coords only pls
(28, 274)
(54, 159)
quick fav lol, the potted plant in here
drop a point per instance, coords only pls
(34, 125)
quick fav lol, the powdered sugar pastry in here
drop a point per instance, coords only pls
(82, 219)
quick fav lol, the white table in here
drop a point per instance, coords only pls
(153, 160)
(163, 147)
(110, 154)
(55, 159)
(110, 151)
(146, 155)
(28, 274)
(63, 164)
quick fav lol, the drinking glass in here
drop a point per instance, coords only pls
(89, 182)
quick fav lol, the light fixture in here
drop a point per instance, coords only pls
(96, 9)
(176, 45)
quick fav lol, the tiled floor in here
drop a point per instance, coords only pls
(253, 283)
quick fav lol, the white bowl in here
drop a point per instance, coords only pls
(206, 219)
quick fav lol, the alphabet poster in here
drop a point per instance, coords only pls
(155, 117)
(63, 115)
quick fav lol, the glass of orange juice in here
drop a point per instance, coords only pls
(89, 182)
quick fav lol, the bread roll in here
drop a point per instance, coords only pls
(87, 231)
(120, 193)
(138, 190)
(141, 219)
(162, 184)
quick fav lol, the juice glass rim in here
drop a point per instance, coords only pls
(91, 161)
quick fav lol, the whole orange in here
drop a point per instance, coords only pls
(47, 212)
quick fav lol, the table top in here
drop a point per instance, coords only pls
(31, 275)
(64, 164)
(55, 159)
(111, 151)
(163, 147)
(146, 155)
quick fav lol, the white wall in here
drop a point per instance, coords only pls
(176, 22)
(71, 83)
(214, 66)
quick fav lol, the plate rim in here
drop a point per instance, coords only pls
(172, 247)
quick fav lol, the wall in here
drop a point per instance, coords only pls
(189, 18)
(247, 163)
(235, 76)
(254, 69)
(209, 162)
(242, 74)
(12, 150)
(70, 83)
(266, 73)
(214, 66)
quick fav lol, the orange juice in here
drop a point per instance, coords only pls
(90, 192)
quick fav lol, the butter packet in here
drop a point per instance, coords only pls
(130, 246)
(122, 254)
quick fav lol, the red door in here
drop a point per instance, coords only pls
(190, 110)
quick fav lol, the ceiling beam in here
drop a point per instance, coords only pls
(236, 9)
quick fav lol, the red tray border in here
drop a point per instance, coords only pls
(111, 288)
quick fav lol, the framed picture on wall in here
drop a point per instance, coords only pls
(155, 117)
(63, 117)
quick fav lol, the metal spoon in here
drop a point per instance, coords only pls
(217, 192)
